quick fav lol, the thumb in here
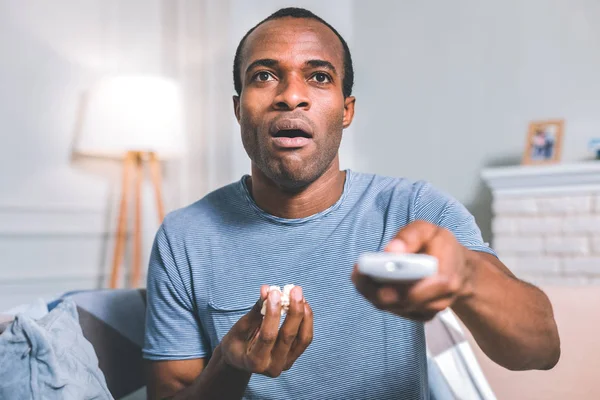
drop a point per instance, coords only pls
(413, 237)
(252, 320)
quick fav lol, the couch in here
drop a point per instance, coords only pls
(113, 322)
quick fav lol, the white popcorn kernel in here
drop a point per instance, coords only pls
(274, 287)
(287, 289)
(285, 298)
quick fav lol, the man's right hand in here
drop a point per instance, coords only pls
(257, 345)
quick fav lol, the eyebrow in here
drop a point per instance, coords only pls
(321, 64)
(263, 62)
(270, 63)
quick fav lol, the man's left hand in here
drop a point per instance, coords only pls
(423, 299)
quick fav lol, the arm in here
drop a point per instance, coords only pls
(167, 378)
(195, 379)
(512, 321)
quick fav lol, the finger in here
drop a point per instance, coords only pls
(392, 295)
(440, 304)
(414, 295)
(252, 320)
(434, 305)
(417, 292)
(413, 237)
(444, 246)
(382, 296)
(260, 348)
(402, 297)
(430, 289)
(264, 291)
(365, 285)
(303, 339)
(288, 331)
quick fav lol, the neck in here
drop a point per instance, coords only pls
(314, 198)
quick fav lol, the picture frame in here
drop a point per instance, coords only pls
(544, 142)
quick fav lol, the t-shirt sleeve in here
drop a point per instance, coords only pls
(434, 206)
(173, 330)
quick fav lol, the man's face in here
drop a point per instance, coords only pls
(292, 109)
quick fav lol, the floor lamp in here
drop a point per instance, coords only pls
(139, 121)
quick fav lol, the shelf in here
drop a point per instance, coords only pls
(544, 179)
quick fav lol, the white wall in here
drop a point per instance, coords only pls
(56, 216)
(445, 88)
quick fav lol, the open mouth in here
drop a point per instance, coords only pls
(292, 133)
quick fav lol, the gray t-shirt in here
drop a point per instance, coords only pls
(210, 259)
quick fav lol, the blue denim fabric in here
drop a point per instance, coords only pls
(49, 359)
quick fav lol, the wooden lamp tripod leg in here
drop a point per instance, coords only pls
(157, 183)
(133, 163)
(122, 223)
(137, 233)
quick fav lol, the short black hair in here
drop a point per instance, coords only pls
(294, 12)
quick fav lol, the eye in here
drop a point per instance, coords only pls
(263, 76)
(321, 77)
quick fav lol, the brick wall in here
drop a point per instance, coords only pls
(545, 237)
(546, 225)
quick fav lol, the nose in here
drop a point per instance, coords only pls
(292, 94)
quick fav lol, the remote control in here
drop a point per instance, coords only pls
(394, 267)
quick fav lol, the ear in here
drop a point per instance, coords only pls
(348, 111)
(236, 107)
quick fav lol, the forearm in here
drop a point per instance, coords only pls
(511, 321)
(217, 381)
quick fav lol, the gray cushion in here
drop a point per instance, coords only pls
(49, 359)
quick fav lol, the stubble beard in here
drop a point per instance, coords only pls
(291, 172)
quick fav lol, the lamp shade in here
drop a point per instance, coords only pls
(137, 113)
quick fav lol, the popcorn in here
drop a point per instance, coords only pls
(285, 298)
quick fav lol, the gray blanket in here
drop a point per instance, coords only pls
(49, 359)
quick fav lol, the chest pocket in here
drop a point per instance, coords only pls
(224, 309)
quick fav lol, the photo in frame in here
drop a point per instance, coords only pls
(544, 142)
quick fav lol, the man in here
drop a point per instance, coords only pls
(299, 219)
